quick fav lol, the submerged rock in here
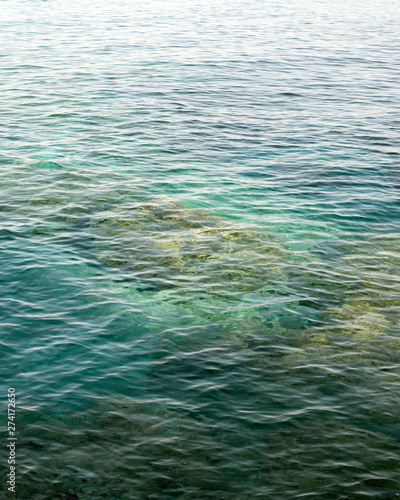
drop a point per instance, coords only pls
(372, 299)
(363, 324)
(169, 246)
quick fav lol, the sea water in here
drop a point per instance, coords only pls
(200, 248)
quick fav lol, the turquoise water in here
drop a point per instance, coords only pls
(200, 248)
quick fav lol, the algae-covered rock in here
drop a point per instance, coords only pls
(358, 292)
(359, 320)
(371, 302)
(169, 246)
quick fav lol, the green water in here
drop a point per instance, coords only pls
(200, 249)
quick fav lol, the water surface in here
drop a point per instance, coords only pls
(200, 228)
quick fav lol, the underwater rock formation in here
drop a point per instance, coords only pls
(168, 246)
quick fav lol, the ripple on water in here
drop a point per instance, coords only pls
(199, 255)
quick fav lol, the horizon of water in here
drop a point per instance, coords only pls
(200, 228)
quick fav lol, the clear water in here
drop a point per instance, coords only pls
(200, 229)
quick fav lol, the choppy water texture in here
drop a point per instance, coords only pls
(200, 229)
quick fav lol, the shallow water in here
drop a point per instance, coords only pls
(200, 260)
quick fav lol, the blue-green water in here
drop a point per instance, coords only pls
(200, 248)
